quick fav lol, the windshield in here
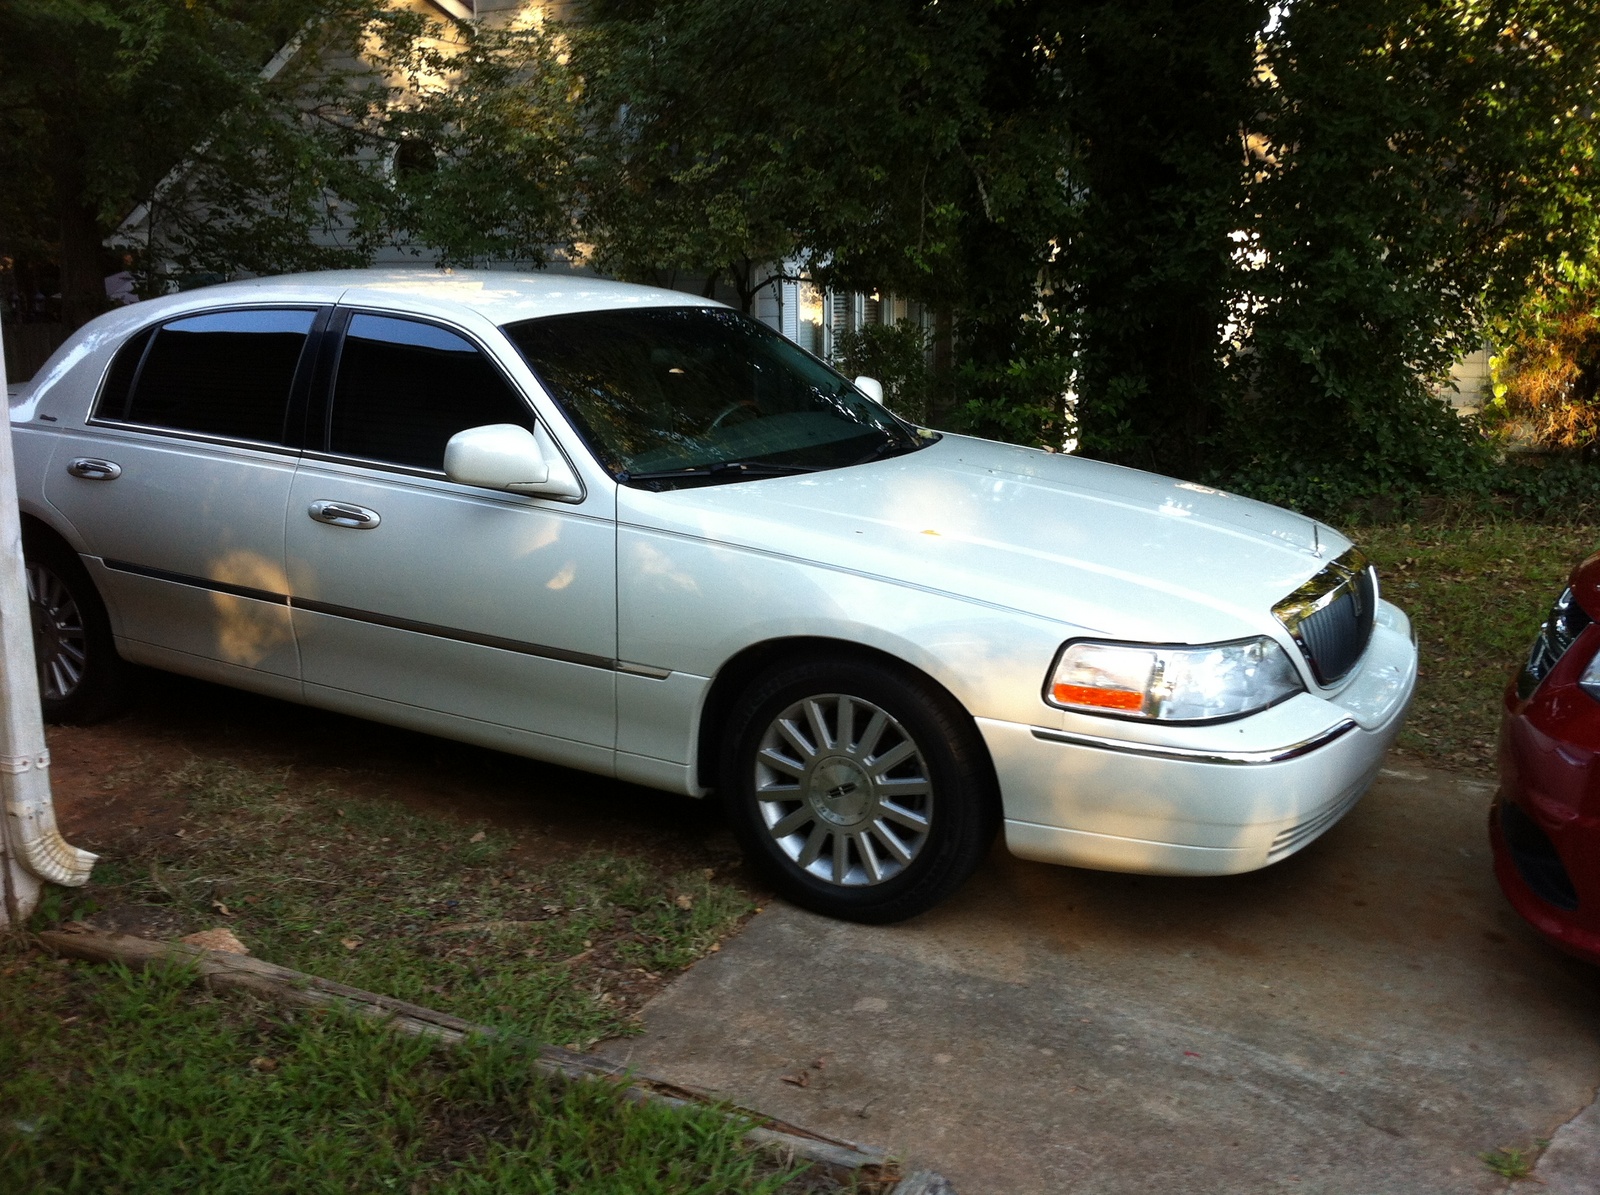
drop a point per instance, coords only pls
(696, 394)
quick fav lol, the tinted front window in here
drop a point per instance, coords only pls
(224, 374)
(684, 388)
(405, 387)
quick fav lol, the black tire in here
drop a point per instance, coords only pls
(81, 677)
(830, 818)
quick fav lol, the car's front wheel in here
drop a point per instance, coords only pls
(860, 791)
(81, 677)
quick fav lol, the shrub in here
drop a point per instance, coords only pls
(896, 355)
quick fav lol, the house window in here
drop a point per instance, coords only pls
(413, 158)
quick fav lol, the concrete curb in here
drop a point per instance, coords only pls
(1570, 1164)
(924, 1182)
(843, 1160)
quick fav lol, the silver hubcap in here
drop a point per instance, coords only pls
(58, 639)
(843, 790)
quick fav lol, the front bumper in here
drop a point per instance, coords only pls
(1544, 826)
(1211, 800)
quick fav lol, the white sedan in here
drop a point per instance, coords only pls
(634, 532)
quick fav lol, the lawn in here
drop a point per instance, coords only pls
(1476, 593)
(120, 1082)
(111, 1081)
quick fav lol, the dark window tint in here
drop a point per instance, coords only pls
(119, 382)
(404, 388)
(224, 374)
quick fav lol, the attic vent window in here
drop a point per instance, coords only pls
(414, 158)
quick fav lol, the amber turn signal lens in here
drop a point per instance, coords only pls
(1106, 699)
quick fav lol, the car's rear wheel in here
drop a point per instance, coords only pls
(860, 792)
(81, 677)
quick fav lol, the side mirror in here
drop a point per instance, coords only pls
(497, 456)
(871, 387)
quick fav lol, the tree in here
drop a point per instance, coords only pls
(270, 135)
(1058, 180)
(884, 145)
(728, 136)
(1250, 237)
(1547, 367)
(1415, 169)
(98, 100)
(387, 127)
(1247, 238)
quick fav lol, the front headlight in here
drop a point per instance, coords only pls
(1589, 682)
(1172, 684)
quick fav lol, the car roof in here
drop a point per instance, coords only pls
(500, 296)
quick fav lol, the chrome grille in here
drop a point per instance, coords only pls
(1331, 615)
(1559, 631)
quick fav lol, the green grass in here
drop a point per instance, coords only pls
(431, 910)
(1514, 1163)
(121, 1082)
(1476, 594)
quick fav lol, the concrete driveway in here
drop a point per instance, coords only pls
(1367, 1016)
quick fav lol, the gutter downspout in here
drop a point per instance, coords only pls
(32, 851)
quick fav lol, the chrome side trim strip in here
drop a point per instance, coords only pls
(382, 620)
(1198, 754)
(160, 574)
(646, 670)
(171, 433)
(439, 632)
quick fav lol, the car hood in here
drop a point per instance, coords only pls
(1111, 551)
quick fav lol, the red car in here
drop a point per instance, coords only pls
(1545, 823)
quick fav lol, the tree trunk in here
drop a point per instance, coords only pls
(743, 277)
(83, 284)
(941, 394)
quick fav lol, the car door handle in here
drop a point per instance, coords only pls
(344, 514)
(92, 469)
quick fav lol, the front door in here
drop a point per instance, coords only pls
(476, 613)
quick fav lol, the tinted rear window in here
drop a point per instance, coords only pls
(119, 381)
(227, 374)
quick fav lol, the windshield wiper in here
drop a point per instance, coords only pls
(892, 447)
(731, 470)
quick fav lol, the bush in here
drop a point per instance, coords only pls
(896, 355)
(1563, 490)
(1547, 377)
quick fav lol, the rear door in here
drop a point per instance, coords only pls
(177, 486)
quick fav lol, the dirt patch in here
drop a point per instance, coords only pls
(115, 795)
(109, 794)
